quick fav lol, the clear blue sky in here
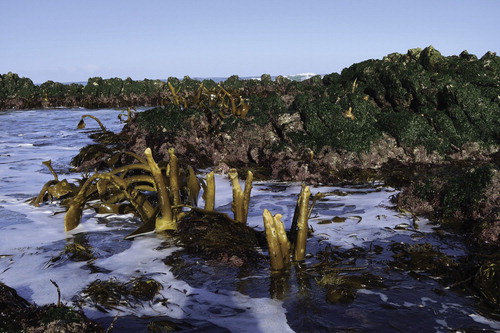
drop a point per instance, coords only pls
(72, 40)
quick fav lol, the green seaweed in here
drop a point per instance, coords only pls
(166, 119)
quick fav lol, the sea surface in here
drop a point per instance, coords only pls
(357, 221)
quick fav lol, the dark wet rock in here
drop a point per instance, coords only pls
(487, 281)
(464, 199)
(219, 240)
(18, 315)
(465, 196)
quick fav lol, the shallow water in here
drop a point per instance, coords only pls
(357, 226)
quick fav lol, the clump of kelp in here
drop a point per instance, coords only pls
(111, 294)
(18, 315)
(165, 195)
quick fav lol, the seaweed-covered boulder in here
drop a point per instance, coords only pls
(218, 239)
(463, 197)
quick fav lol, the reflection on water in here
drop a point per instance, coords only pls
(369, 268)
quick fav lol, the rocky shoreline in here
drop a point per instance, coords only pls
(422, 122)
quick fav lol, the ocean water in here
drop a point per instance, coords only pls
(214, 298)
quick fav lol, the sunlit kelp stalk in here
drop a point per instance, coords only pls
(193, 186)
(75, 210)
(174, 177)
(166, 220)
(82, 124)
(209, 192)
(241, 198)
(302, 226)
(175, 97)
(277, 241)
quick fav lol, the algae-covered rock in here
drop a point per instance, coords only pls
(17, 92)
(418, 107)
(461, 198)
(165, 120)
(431, 59)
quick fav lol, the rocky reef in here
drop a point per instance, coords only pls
(21, 93)
(403, 117)
(420, 121)
(418, 107)
(423, 122)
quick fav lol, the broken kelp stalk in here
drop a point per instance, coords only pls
(241, 198)
(81, 123)
(48, 164)
(277, 241)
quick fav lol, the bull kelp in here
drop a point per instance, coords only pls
(163, 194)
